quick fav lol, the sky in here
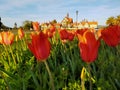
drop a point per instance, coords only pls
(18, 11)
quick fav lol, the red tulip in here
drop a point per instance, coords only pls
(63, 34)
(52, 29)
(36, 26)
(117, 28)
(88, 46)
(7, 38)
(81, 31)
(71, 36)
(111, 35)
(21, 33)
(40, 46)
(50, 34)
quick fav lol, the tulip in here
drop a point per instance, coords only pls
(21, 33)
(70, 36)
(98, 33)
(40, 46)
(63, 34)
(88, 46)
(111, 35)
(118, 32)
(1, 41)
(7, 38)
(50, 32)
(88, 50)
(36, 26)
(81, 31)
(52, 28)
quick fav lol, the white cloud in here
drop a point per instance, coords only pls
(8, 4)
(18, 11)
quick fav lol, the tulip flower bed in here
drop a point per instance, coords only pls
(58, 62)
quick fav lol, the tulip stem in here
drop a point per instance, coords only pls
(24, 44)
(7, 53)
(12, 55)
(50, 75)
(89, 68)
(83, 79)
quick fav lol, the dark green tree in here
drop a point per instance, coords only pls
(27, 25)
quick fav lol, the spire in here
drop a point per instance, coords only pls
(0, 23)
(67, 15)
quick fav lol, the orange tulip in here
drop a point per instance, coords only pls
(21, 33)
(50, 32)
(7, 38)
(111, 35)
(40, 46)
(1, 41)
(98, 33)
(36, 26)
(88, 46)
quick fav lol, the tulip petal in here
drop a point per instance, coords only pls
(84, 52)
(110, 37)
(40, 46)
(94, 51)
(88, 46)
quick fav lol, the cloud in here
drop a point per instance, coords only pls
(46, 10)
(8, 4)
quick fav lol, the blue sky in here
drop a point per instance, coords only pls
(12, 11)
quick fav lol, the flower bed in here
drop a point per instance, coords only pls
(22, 64)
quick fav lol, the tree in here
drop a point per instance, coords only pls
(27, 25)
(110, 21)
(113, 20)
(53, 21)
(118, 20)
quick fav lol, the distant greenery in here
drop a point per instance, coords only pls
(27, 25)
(113, 20)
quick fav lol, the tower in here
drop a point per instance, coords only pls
(15, 25)
(0, 23)
(77, 18)
(67, 15)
